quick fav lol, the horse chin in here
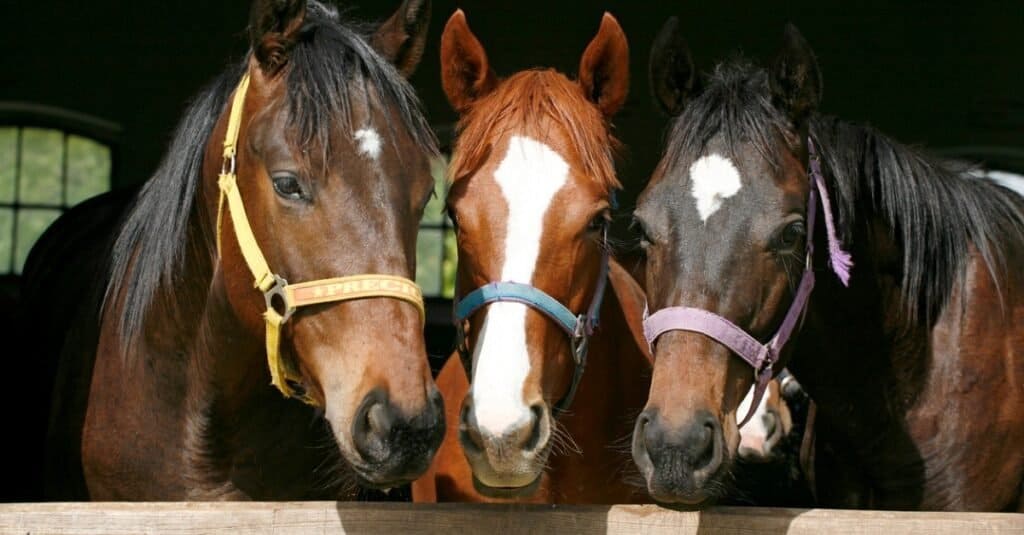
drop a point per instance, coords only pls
(670, 485)
(755, 457)
(515, 478)
(684, 503)
(683, 494)
(387, 475)
(373, 481)
(507, 492)
(393, 471)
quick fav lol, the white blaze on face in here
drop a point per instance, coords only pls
(754, 435)
(529, 177)
(714, 178)
(368, 142)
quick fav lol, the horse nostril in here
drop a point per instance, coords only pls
(700, 447)
(468, 431)
(380, 420)
(372, 426)
(536, 427)
(649, 432)
(642, 443)
(465, 415)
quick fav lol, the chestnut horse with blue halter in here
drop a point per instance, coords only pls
(274, 246)
(890, 282)
(550, 324)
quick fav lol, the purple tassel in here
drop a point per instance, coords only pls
(840, 260)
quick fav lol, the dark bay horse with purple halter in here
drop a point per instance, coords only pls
(550, 390)
(897, 279)
(308, 160)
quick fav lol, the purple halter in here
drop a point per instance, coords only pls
(762, 357)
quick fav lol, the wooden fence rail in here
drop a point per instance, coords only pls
(464, 519)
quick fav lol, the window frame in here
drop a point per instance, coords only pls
(444, 225)
(25, 115)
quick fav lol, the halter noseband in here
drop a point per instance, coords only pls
(276, 290)
(578, 328)
(762, 357)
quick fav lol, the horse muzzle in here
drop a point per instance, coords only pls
(681, 465)
(390, 448)
(509, 457)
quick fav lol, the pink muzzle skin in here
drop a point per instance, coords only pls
(762, 357)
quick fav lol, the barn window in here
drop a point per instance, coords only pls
(50, 160)
(436, 251)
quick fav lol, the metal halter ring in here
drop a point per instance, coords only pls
(580, 339)
(278, 290)
(228, 166)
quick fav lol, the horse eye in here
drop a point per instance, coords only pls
(452, 216)
(645, 238)
(791, 235)
(599, 222)
(287, 185)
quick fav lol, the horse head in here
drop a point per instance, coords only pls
(332, 164)
(533, 188)
(726, 222)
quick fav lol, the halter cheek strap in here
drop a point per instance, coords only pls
(282, 299)
(762, 357)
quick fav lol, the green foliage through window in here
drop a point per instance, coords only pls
(43, 172)
(436, 251)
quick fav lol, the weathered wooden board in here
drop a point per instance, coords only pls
(460, 519)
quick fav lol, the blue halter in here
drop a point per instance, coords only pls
(578, 328)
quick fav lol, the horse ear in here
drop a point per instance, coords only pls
(604, 68)
(633, 302)
(402, 37)
(273, 28)
(672, 75)
(465, 72)
(795, 78)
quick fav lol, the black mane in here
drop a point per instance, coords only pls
(735, 103)
(936, 211)
(933, 208)
(330, 65)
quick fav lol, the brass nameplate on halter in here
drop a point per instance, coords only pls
(355, 287)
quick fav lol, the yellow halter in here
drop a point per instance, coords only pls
(291, 296)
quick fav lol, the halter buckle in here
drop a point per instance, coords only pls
(228, 166)
(462, 347)
(580, 340)
(278, 290)
(765, 371)
(579, 348)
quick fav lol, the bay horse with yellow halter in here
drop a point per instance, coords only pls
(889, 281)
(274, 245)
(550, 323)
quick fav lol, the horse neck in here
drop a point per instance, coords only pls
(863, 365)
(229, 361)
(194, 318)
(858, 340)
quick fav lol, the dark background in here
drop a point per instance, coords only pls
(924, 72)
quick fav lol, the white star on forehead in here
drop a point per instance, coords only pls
(714, 179)
(369, 142)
